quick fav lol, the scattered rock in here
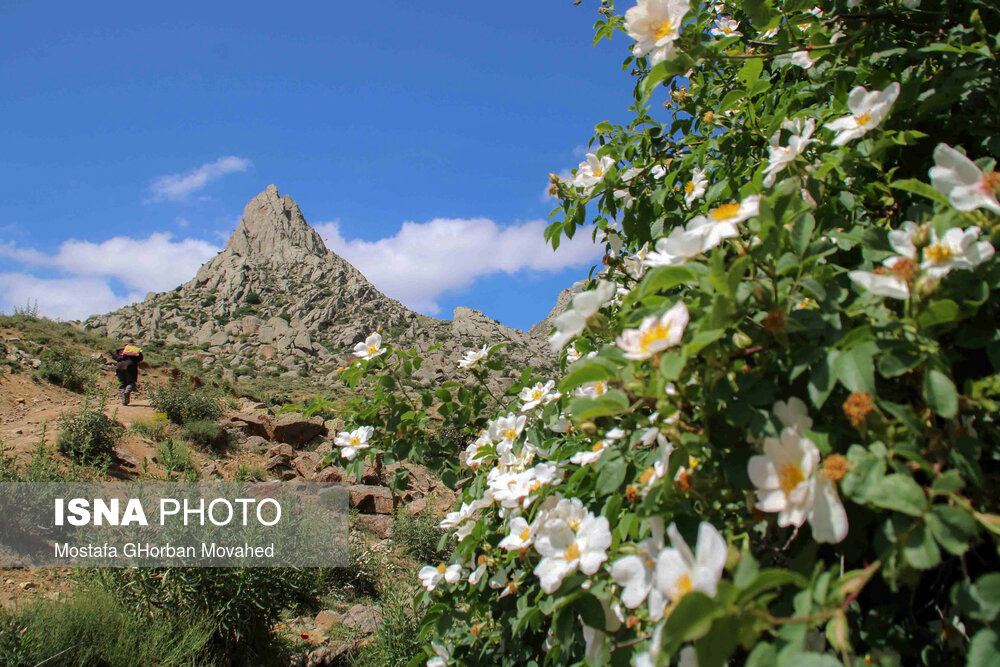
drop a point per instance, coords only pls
(281, 450)
(327, 619)
(371, 499)
(297, 430)
(379, 524)
(362, 617)
(258, 425)
(330, 474)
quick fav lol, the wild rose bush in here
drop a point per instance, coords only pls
(774, 442)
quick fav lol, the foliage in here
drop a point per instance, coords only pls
(67, 369)
(240, 604)
(91, 628)
(42, 466)
(420, 536)
(395, 640)
(316, 405)
(249, 473)
(182, 404)
(89, 435)
(205, 433)
(796, 323)
(175, 456)
(155, 429)
(252, 298)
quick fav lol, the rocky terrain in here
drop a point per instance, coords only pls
(277, 302)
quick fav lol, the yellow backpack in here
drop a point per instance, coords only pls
(131, 351)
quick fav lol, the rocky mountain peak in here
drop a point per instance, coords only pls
(273, 229)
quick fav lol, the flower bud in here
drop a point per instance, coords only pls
(922, 237)
(741, 340)
(926, 286)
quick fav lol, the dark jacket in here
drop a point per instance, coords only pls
(126, 362)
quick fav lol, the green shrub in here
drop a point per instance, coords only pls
(205, 433)
(242, 604)
(395, 641)
(419, 535)
(182, 404)
(93, 629)
(247, 472)
(243, 311)
(67, 369)
(252, 298)
(89, 435)
(155, 429)
(175, 456)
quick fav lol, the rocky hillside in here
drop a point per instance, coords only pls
(276, 301)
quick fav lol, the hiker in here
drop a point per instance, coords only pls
(128, 358)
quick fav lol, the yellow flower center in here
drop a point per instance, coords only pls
(510, 434)
(537, 394)
(689, 187)
(355, 440)
(682, 587)
(664, 29)
(574, 524)
(535, 485)
(646, 475)
(372, 349)
(598, 172)
(599, 388)
(791, 476)
(863, 118)
(939, 253)
(692, 462)
(572, 552)
(600, 445)
(991, 181)
(441, 568)
(726, 211)
(650, 563)
(657, 332)
(525, 534)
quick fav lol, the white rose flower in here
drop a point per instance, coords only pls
(882, 284)
(868, 109)
(679, 571)
(352, 442)
(371, 348)
(696, 187)
(430, 576)
(720, 223)
(655, 334)
(790, 482)
(540, 394)
(676, 248)
(654, 25)
(472, 358)
(571, 323)
(965, 185)
(566, 546)
(725, 27)
(592, 389)
(521, 535)
(591, 171)
(781, 156)
(957, 249)
(508, 428)
(592, 455)
(571, 354)
(634, 573)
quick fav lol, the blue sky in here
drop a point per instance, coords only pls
(133, 135)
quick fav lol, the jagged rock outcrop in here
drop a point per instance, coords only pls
(276, 301)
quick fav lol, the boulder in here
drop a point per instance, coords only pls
(379, 524)
(306, 464)
(371, 499)
(281, 450)
(279, 461)
(362, 617)
(259, 425)
(330, 474)
(297, 430)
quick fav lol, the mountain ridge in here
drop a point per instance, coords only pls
(277, 301)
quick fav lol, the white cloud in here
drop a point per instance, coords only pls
(177, 187)
(60, 298)
(156, 263)
(425, 260)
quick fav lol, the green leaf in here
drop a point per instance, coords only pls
(662, 279)
(904, 414)
(664, 71)
(866, 471)
(591, 610)
(919, 188)
(802, 232)
(940, 393)
(611, 476)
(855, 368)
(771, 578)
(690, 619)
(939, 312)
(750, 71)
(732, 99)
(952, 527)
(984, 650)
(900, 493)
(672, 365)
(587, 370)
(920, 550)
(821, 380)
(894, 364)
(612, 402)
(715, 648)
